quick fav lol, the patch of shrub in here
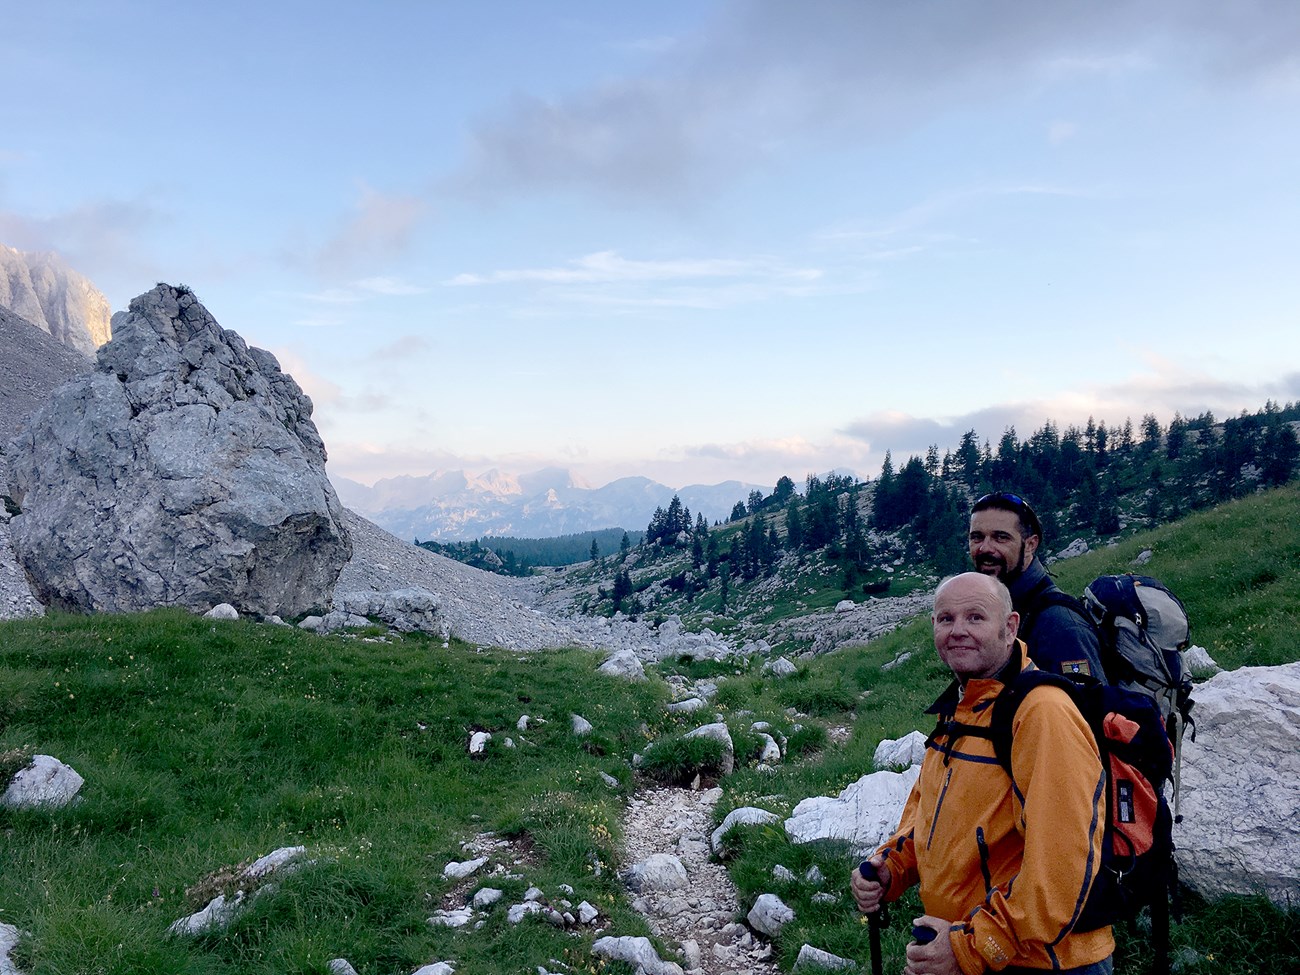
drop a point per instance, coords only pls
(676, 761)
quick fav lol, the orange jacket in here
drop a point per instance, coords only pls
(1008, 861)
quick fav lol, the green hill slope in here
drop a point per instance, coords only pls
(207, 744)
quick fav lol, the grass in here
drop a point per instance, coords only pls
(205, 745)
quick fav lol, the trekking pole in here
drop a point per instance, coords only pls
(877, 919)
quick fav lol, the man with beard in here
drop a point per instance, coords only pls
(1004, 538)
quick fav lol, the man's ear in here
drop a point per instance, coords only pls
(1031, 546)
(1013, 626)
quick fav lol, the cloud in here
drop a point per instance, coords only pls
(1060, 132)
(403, 350)
(608, 281)
(760, 78)
(1161, 392)
(379, 228)
(608, 267)
(99, 238)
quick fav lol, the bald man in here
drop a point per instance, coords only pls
(1004, 862)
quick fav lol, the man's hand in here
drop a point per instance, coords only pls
(935, 958)
(867, 893)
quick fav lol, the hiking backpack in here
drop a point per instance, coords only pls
(1143, 630)
(1138, 718)
(1137, 868)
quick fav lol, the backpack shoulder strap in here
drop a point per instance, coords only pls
(1046, 594)
(1008, 703)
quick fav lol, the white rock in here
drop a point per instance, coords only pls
(437, 968)
(814, 957)
(478, 742)
(273, 861)
(624, 663)
(769, 915)
(222, 611)
(216, 916)
(637, 952)
(686, 706)
(456, 918)
(9, 936)
(581, 726)
(336, 966)
(845, 606)
(586, 913)
(533, 894)
(44, 783)
(1198, 660)
(458, 869)
(486, 897)
(657, 872)
(780, 667)
(518, 912)
(783, 874)
(865, 814)
(908, 750)
(1239, 777)
(771, 753)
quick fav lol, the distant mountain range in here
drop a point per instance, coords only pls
(452, 506)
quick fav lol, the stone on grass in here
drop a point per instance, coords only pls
(742, 816)
(864, 814)
(46, 783)
(769, 915)
(637, 952)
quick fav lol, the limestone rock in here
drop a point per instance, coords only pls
(780, 667)
(769, 915)
(743, 816)
(44, 783)
(819, 960)
(222, 611)
(864, 814)
(184, 470)
(658, 872)
(908, 750)
(1238, 777)
(9, 936)
(637, 952)
(624, 663)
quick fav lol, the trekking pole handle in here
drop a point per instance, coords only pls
(923, 935)
(869, 872)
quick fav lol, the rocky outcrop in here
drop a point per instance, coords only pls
(1239, 778)
(54, 298)
(184, 470)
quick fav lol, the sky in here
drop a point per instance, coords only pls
(688, 240)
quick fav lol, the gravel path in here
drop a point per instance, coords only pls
(700, 919)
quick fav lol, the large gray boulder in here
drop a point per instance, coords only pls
(184, 470)
(1241, 787)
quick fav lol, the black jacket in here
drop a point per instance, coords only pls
(1060, 639)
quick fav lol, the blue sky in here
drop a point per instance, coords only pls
(689, 240)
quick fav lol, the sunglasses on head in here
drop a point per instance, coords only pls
(1007, 500)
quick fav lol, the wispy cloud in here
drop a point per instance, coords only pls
(379, 227)
(607, 267)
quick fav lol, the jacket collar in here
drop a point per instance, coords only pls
(946, 703)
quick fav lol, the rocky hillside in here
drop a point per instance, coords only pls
(34, 364)
(54, 298)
